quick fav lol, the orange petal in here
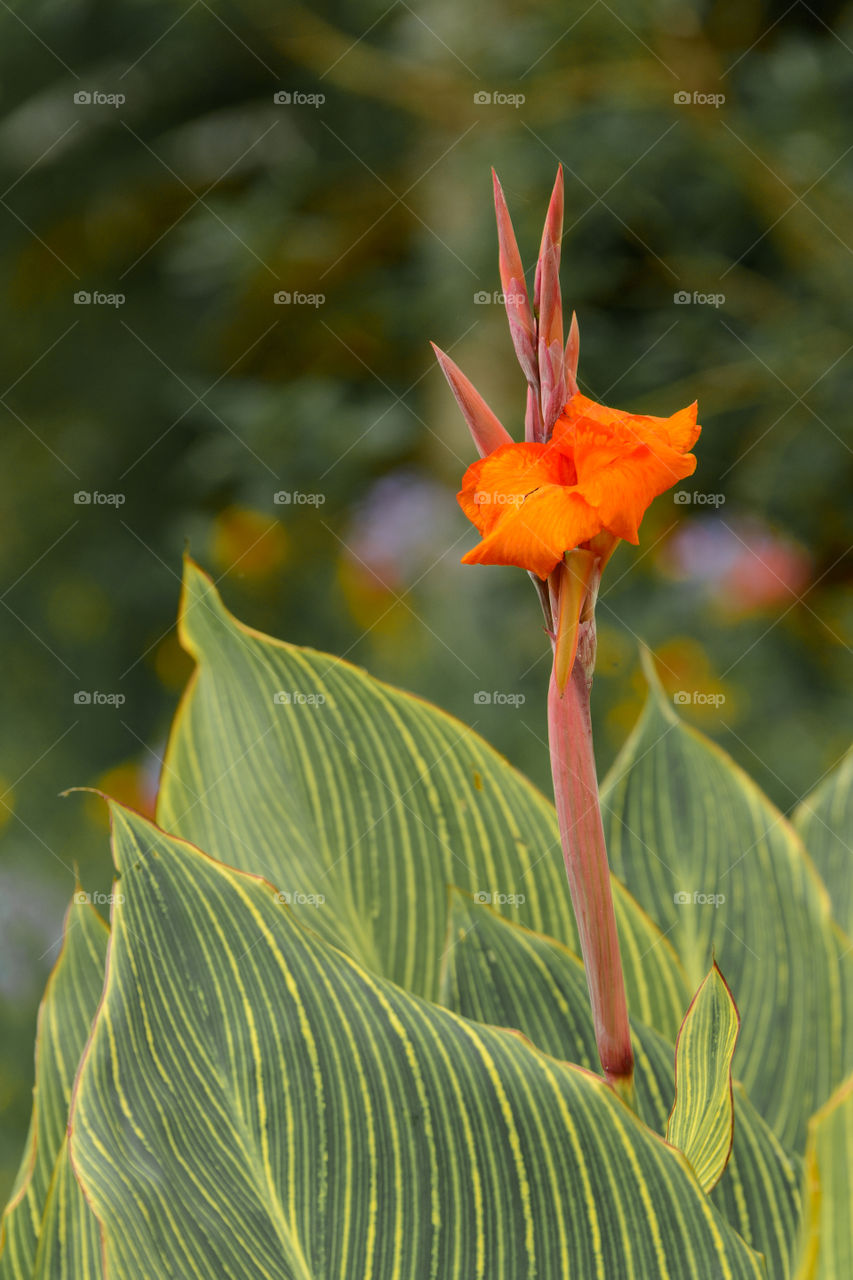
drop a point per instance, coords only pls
(506, 476)
(625, 460)
(622, 490)
(680, 431)
(522, 500)
(536, 534)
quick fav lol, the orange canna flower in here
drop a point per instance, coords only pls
(597, 473)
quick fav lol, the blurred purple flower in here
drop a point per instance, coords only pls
(392, 537)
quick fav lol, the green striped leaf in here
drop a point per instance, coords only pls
(64, 1020)
(827, 1246)
(825, 822)
(69, 1245)
(721, 871)
(702, 1120)
(500, 973)
(255, 1103)
(760, 1192)
(504, 974)
(373, 800)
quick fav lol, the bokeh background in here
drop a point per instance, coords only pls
(708, 163)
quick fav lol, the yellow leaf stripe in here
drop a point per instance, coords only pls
(346, 1128)
(372, 800)
(760, 1190)
(69, 1245)
(722, 872)
(825, 822)
(701, 1123)
(827, 1245)
(64, 1020)
(503, 974)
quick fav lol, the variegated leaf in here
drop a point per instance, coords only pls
(353, 792)
(721, 871)
(254, 1103)
(64, 1021)
(701, 1123)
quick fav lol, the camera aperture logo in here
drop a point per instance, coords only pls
(497, 698)
(95, 98)
(684, 99)
(284, 298)
(491, 898)
(296, 98)
(485, 296)
(94, 498)
(697, 899)
(87, 298)
(496, 98)
(694, 697)
(293, 898)
(484, 498)
(296, 498)
(684, 298)
(684, 498)
(94, 698)
(295, 698)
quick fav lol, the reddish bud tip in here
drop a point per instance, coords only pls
(573, 347)
(487, 431)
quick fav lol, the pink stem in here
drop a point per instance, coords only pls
(585, 855)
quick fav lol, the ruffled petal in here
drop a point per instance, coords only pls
(522, 501)
(505, 477)
(600, 471)
(622, 490)
(535, 534)
(622, 460)
(680, 431)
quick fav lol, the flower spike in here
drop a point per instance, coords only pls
(552, 238)
(556, 505)
(487, 431)
(522, 325)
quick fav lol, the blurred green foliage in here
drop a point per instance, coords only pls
(199, 397)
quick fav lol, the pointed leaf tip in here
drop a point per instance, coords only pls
(486, 430)
(701, 1123)
(522, 324)
(573, 347)
(552, 231)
